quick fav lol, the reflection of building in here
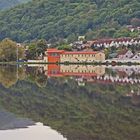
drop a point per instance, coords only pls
(94, 74)
(73, 70)
(128, 70)
(54, 55)
(106, 79)
(122, 75)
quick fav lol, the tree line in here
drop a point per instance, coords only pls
(13, 51)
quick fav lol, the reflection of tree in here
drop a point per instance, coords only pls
(9, 75)
(37, 75)
(111, 72)
(41, 80)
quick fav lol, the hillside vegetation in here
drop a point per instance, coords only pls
(55, 19)
(4, 4)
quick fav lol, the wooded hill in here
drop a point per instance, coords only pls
(4, 4)
(54, 19)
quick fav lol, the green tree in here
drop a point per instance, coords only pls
(41, 46)
(8, 50)
(31, 52)
(65, 47)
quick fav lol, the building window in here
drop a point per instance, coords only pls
(54, 54)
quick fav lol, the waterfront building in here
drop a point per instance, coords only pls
(54, 56)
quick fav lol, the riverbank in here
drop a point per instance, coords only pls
(113, 63)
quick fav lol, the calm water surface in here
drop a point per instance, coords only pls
(69, 102)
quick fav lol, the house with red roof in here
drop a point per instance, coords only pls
(125, 54)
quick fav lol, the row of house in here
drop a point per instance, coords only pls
(132, 28)
(105, 43)
(116, 42)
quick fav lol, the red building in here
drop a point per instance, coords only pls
(54, 56)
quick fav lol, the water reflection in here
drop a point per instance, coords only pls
(9, 75)
(79, 102)
(10, 121)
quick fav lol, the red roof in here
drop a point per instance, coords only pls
(123, 52)
(55, 50)
(81, 52)
(71, 52)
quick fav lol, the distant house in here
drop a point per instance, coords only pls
(132, 29)
(81, 38)
(81, 45)
(125, 54)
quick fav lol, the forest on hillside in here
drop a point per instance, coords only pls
(58, 19)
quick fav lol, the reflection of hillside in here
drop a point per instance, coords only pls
(9, 121)
(134, 95)
(79, 113)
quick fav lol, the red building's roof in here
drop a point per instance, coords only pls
(81, 52)
(70, 52)
(55, 50)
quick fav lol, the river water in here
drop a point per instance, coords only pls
(69, 102)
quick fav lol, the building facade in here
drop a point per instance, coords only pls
(54, 56)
